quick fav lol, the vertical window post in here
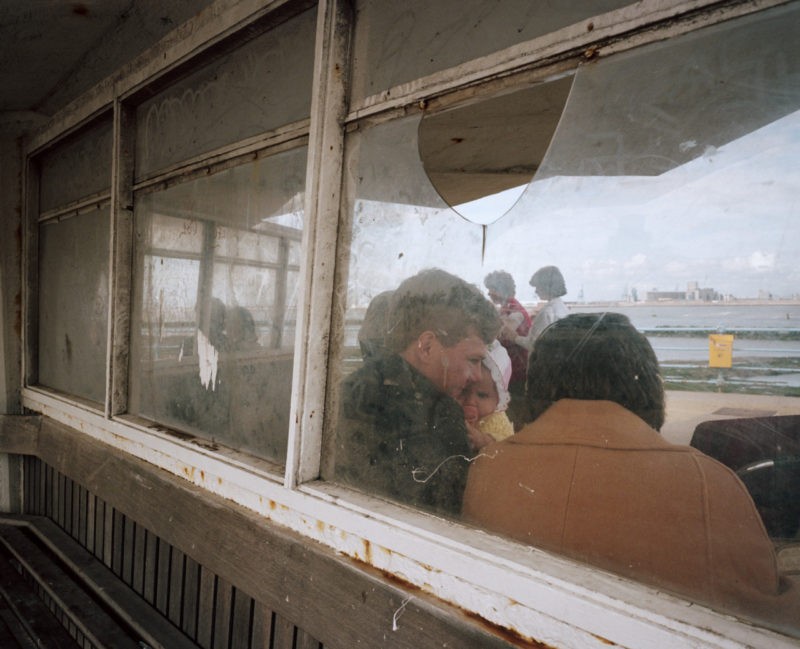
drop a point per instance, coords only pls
(324, 180)
(119, 304)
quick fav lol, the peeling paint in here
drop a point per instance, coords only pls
(605, 641)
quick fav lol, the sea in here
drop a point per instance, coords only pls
(749, 352)
(680, 349)
(722, 316)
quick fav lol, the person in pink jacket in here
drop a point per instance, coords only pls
(591, 478)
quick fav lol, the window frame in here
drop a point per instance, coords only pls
(540, 596)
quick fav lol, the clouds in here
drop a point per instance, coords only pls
(729, 220)
(761, 261)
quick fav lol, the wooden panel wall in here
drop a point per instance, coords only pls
(208, 609)
(226, 576)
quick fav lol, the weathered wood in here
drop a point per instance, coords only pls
(150, 562)
(31, 621)
(335, 22)
(282, 633)
(82, 496)
(150, 626)
(119, 306)
(58, 491)
(79, 514)
(30, 280)
(305, 641)
(139, 559)
(41, 470)
(262, 627)
(69, 502)
(240, 620)
(205, 608)
(12, 632)
(163, 563)
(91, 519)
(191, 597)
(94, 622)
(128, 550)
(222, 613)
(117, 542)
(330, 597)
(99, 526)
(175, 606)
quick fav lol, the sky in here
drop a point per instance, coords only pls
(728, 219)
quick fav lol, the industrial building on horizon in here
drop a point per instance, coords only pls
(693, 292)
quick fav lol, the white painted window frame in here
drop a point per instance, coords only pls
(532, 593)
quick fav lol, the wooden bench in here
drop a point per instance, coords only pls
(64, 597)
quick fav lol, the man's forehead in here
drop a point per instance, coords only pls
(473, 344)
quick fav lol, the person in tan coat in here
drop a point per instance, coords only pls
(591, 478)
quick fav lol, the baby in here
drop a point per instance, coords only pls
(485, 402)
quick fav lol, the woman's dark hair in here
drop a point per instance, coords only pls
(434, 300)
(550, 281)
(598, 356)
(501, 282)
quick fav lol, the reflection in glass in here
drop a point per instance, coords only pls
(256, 88)
(73, 304)
(215, 310)
(79, 166)
(481, 157)
(668, 193)
(398, 42)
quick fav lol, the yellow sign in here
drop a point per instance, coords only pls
(720, 350)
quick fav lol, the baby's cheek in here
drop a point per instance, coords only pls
(486, 407)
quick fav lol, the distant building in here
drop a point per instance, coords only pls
(693, 293)
(703, 295)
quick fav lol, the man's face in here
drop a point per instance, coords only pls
(459, 365)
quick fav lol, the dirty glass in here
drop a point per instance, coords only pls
(655, 254)
(217, 268)
(397, 42)
(73, 304)
(79, 166)
(264, 84)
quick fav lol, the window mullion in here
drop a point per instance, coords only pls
(119, 303)
(324, 180)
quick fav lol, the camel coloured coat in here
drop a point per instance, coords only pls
(591, 480)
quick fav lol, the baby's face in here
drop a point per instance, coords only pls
(486, 395)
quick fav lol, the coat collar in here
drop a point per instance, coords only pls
(602, 424)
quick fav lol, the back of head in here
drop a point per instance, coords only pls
(434, 300)
(501, 282)
(596, 356)
(550, 281)
(373, 329)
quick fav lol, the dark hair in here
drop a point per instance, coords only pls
(501, 282)
(596, 356)
(373, 329)
(435, 300)
(550, 280)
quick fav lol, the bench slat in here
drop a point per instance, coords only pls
(136, 613)
(31, 622)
